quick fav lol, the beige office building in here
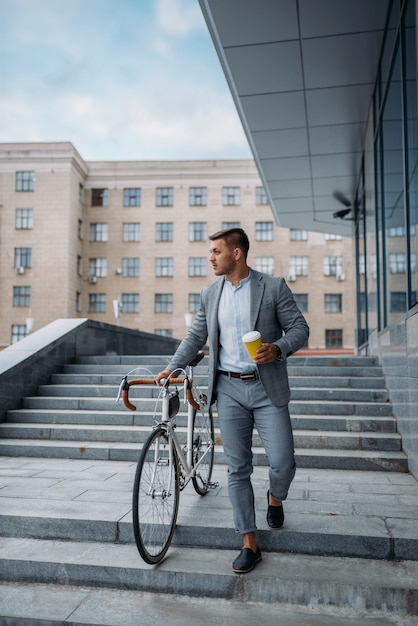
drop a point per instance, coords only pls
(127, 242)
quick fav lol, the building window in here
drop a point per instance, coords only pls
(131, 231)
(333, 303)
(231, 196)
(80, 233)
(99, 197)
(130, 302)
(80, 193)
(333, 338)
(226, 225)
(198, 231)
(130, 266)
(23, 258)
(164, 196)
(97, 303)
(298, 235)
(132, 196)
(21, 296)
(396, 231)
(264, 231)
(298, 266)
(98, 232)
(198, 196)
(265, 264)
(79, 265)
(194, 302)
(78, 302)
(261, 196)
(164, 231)
(397, 262)
(19, 331)
(24, 219)
(398, 302)
(197, 266)
(333, 265)
(25, 181)
(163, 303)
(301, 300)
(331, 237)
(163, 332)
(98, 267)
(164, 266)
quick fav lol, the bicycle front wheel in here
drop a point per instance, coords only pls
(203, 449)
(155, 497)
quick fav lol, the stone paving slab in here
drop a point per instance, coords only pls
(55, 605)
(328, 512)
(363, 584)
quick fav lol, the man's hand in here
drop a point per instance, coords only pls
(266, 353)
(161, 375)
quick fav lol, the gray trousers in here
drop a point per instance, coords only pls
(242, 405)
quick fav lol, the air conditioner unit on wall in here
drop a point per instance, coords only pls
(118, 271)
(291, 278)
(93, 279)
(20, 270)
(341, 277)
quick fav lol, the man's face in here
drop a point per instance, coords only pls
(221, 257)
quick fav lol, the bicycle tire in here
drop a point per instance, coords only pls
(155, 500)
(203, 444)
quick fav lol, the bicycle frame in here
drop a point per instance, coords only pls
(185, 458)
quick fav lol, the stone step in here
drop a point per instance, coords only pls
(286, 578)
(126, 418)
(322, 458)
(299, 407)
(141, 359)
(293, 370)
(55, 605)
(346, 382)
(138, 434)
(298, 393)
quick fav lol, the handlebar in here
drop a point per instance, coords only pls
(150, 381)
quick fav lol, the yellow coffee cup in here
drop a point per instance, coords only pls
(252, 341)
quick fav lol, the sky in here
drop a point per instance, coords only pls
(120, 79)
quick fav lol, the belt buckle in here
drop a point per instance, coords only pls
(251, 376)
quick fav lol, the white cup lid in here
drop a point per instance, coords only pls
(251, 336)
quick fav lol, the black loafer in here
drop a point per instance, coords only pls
(246, 561)
(275, 514)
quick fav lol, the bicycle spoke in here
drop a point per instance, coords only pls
(203, 449)
(155, 498)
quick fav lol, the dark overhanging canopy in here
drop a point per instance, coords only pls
(302, 74)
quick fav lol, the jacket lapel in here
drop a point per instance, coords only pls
(257, 290)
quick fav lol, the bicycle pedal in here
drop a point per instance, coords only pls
(213, 485)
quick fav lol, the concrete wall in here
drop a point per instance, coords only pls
(397, 348)
(30, 362)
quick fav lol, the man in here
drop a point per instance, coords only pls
(247, 392)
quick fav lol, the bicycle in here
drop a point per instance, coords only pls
(166, 465)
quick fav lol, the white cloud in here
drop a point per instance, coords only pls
(178, 17)
(140, 83)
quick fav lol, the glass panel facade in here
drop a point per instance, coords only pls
(387, 195)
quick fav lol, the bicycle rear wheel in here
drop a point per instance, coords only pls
(155, 497)
(203, 449)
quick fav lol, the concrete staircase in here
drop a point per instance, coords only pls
(340, 410)
(350, 540)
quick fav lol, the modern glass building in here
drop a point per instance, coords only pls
(327, 94)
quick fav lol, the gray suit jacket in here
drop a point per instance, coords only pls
(273, 312)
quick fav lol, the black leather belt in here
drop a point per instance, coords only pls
(242, 376)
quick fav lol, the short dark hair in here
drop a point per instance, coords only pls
(234, 237)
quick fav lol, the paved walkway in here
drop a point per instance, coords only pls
(322, 502)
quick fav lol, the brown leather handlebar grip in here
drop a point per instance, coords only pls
(148, 381)
(125, 400)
